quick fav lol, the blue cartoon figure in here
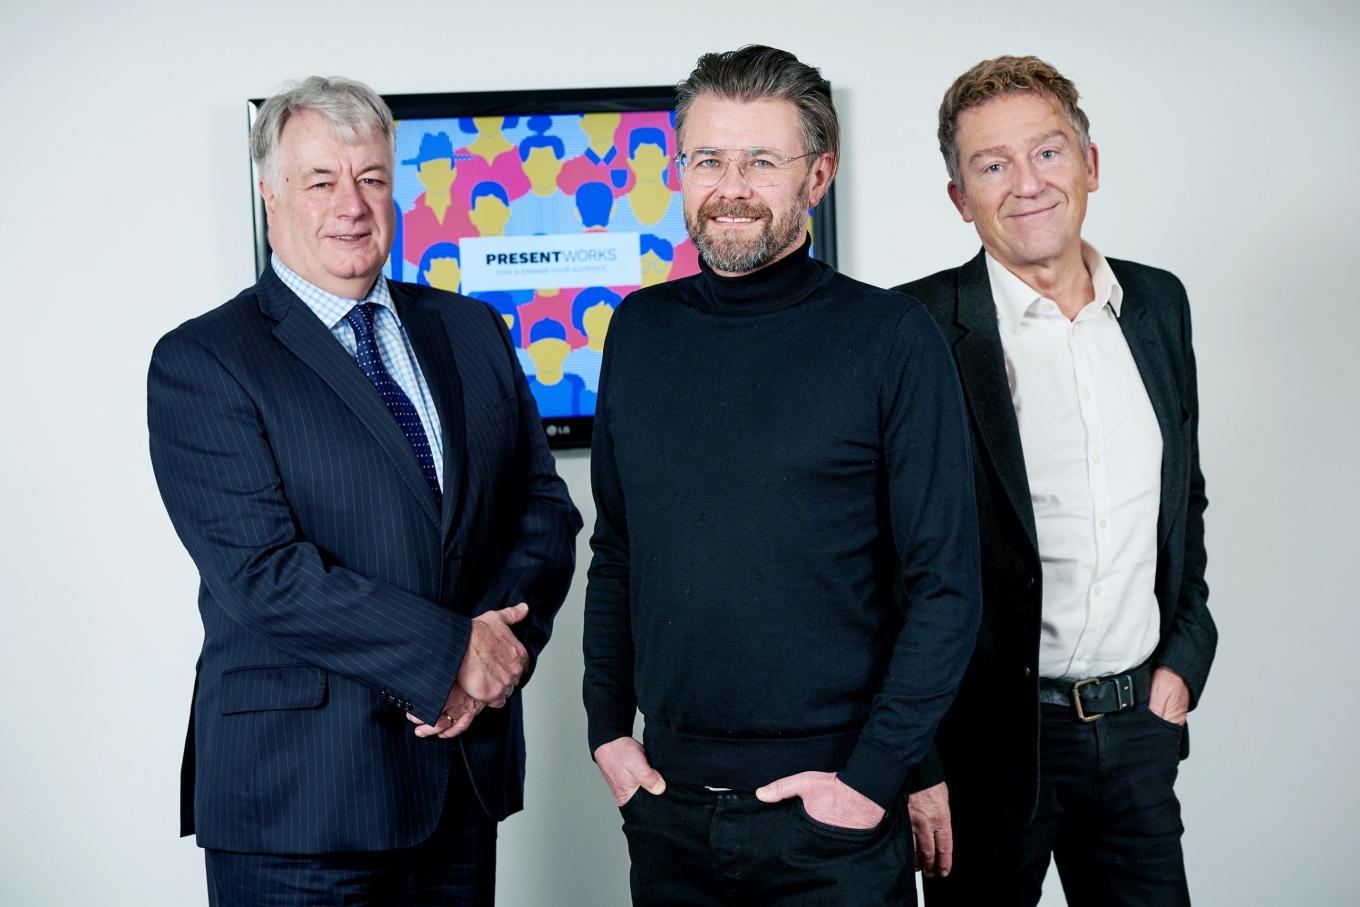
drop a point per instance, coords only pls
(591, 312)
(489, 208)
(543, 209)
(652, 206)
(557, 393)
(658, 257)
(594, 205)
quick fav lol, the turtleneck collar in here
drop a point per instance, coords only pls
(780, 285)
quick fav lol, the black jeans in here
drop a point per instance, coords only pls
(1108, 815)
(693, 846)
(454, 867)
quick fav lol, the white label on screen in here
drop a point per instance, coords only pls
(550, 261)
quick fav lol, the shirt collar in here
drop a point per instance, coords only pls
(331, 309)
(1013, 297)
(608, 155)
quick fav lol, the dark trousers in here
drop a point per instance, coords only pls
(454, 867)
(693, 846)
(1107, 814)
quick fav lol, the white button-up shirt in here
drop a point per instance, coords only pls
(1093, 454)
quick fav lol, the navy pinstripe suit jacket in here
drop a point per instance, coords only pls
(334, 597)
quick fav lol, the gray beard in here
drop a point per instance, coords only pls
(736, 257)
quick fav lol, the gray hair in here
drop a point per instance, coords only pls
(353, 110)
(755, 72)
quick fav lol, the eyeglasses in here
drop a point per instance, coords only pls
(760, 167)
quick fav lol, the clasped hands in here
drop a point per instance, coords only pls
(492, 667)
(826, 798)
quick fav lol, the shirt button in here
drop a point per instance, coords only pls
(1095, 458)
(1103, 524)
(1086, 395)
(1097, 590)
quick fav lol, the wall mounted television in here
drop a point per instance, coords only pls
(549, 206)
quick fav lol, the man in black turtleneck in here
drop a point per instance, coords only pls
(778, 449)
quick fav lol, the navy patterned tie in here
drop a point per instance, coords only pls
(361, 319)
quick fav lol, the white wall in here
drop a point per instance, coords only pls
(1228, 133)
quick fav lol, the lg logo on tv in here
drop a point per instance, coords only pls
(554, 430)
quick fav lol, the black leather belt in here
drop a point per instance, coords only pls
(1096, 697)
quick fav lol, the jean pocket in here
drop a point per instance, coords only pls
(1163, 723)
(631, 804)
(836, 831)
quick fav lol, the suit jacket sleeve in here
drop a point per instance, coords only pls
(217, 475)
(1191, 638)
(540, 563)
(934, 525)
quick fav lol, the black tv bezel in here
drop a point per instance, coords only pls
(563, 432)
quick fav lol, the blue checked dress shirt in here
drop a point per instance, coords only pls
(395, 349)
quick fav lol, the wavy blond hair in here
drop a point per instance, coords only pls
(1000, 77)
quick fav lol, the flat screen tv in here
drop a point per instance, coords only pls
(549, 206)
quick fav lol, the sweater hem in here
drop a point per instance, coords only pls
(743, 763)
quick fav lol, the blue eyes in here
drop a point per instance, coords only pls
(1048, 154)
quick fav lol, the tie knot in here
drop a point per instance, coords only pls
(361, 318)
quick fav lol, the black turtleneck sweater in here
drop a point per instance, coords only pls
(774, 455)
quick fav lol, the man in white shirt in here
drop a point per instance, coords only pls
(1096, 640)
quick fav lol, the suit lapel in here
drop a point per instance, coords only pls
(1156, 373)
(982, 370)
(430, 341)
(298, 329)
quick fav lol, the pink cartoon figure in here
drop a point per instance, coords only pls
(601, 162)
(437, 214)
(490, 156)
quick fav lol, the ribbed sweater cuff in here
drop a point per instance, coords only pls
(608, 724)
(876, 774)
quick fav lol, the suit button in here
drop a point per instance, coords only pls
(1026, 670)
(1029, 582)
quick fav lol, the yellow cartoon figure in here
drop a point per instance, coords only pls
(658, 257)
(558, 393)
(441, 267)
(490, 208)
(591, 312)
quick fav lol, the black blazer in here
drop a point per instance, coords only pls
(334, 596)
(989, 739)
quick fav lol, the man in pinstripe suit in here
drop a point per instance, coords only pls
(357, 469)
